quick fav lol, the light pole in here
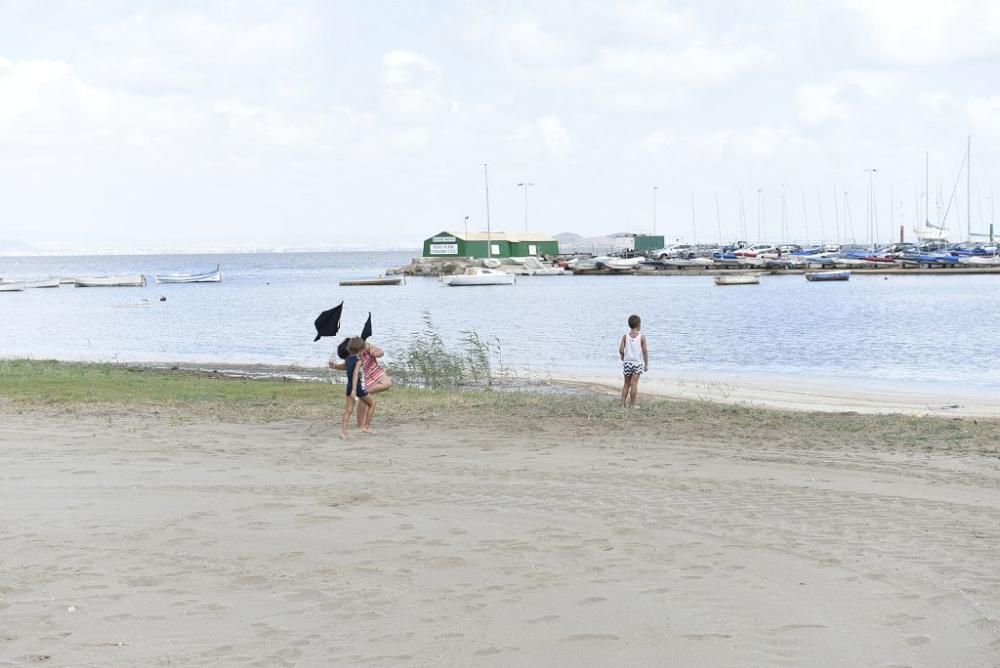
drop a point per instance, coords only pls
(655, 188)
(466, 227)
(489, 239)
(872, 224)
(525, 185)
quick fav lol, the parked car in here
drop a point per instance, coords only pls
(674, 251)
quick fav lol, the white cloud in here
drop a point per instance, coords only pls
(840, 99)
(928, 32)
(758, 143)
(410, 88)
(545, 136)
(526, 42)
(651, 19)
(984, 116)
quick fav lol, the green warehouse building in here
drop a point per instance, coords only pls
(504, 244)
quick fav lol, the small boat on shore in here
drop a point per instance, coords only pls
(623, 263)
(127, 281)
(828, 275)
(381, 280)
(214, 276)
(738, 279)
(11, 286)
(479, 276)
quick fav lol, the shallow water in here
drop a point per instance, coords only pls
(906, 330)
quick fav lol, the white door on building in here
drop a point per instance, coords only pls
(532, 249)
(494, 249)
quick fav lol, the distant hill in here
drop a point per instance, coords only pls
(8, 246)
(570, 242)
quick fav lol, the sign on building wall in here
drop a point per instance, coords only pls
(444, 249)
(443, 240)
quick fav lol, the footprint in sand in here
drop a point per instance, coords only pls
(538, 620)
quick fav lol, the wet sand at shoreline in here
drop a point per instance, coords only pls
(784, 393)
(189, 541)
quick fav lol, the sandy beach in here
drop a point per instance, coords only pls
(182, 540)
(857, 395)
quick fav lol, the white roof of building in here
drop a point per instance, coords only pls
(512, 237)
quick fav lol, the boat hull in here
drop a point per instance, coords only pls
(132, 281)
(821, 276)
(210, 277)
(371, 281)
(13, 286)
(740, 279)
(466, 281)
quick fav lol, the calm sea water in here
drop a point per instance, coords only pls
(916, 331)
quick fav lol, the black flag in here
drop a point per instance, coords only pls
(328, 322)
(366, 331)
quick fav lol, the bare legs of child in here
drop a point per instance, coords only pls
(346, 420)
(364, 420)
(630, 390)
(369, 405)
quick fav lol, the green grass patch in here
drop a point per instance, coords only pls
(59, 386)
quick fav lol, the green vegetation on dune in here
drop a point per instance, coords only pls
(58, 386)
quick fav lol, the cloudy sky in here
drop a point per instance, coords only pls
(320, 123)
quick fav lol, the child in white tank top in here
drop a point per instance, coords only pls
(635, 359)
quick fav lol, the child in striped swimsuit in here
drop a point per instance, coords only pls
(376, 379)
(356, 390)
(635, 359)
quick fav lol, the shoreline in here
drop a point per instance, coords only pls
(784, 393)
(778, 392)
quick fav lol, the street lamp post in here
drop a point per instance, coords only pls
(655, 188)
(525, 185)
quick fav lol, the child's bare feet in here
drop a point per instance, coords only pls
(369, 430)
(343, 435)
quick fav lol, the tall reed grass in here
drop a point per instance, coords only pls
(428, 361)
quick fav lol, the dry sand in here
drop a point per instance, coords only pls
(129, 541)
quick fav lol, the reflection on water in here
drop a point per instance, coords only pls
(903, 329)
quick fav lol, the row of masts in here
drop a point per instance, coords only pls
(844, 227)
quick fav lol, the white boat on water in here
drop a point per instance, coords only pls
(214, 276)
(43, 283)
(11, 286)
(738, 279)
(479, 276)
(127, 281)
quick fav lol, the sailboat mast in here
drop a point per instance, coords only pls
(822, 223)
(805, 213)
(927, 187)
(489, 240)
(718, 216)
(968, 189)
(836, 215)
(694, 229)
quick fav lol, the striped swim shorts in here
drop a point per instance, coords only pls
(632, 368)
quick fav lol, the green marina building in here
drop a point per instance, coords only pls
(504, 244)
